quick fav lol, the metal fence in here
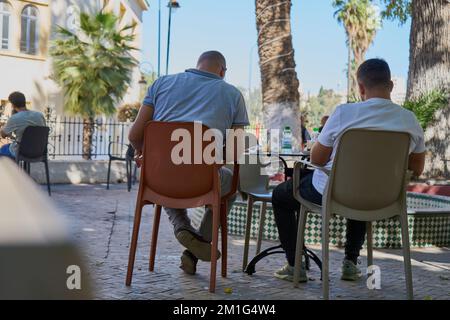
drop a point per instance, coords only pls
(66, 136)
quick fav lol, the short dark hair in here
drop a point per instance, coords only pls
(374, 73)
(213, 57)
(18, 99)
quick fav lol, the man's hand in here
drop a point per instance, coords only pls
(3, 134)
(138, 158)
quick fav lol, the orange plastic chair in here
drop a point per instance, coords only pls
(183, 186)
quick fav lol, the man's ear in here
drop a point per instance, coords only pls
(362, 89)
(391, 86)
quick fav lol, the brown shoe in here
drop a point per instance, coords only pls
(199, 248)
(188, 262)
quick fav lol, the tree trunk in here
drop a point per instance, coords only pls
(280, 85)
(88, 134)
(349, 69)
(359, 50)
(429, 70)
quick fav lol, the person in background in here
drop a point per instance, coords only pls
(376, 111)
(21, 119)
(305, 134)
(323, 121)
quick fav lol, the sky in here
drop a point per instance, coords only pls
(229, 26)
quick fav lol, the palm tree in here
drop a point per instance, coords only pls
(361, 22)
(280, 85)
(94, 66)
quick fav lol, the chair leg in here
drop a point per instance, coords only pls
(215, 240)
(262, 221)
(109, 175)
(406, 255)
(325, 255)
(134, 241)
(369, 244)
(224, 235)
(300, 244)
(154, 242)
(47, 174)
(128, 165)
(135, 174)
(247, 231)
(26, 167)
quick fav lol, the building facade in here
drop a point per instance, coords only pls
(26, 30)
(399, 91)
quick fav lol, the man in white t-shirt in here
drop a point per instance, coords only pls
(377, 112)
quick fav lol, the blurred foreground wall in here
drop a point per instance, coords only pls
(37, 258)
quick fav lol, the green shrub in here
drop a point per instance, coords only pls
(128, 112)
(426, 106)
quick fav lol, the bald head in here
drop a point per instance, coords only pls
(213, 62)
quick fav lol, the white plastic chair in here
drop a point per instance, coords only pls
(367, 182)
(256, 186)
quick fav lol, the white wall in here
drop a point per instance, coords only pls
(25, 75)
(31, 74)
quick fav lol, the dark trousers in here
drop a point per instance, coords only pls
(285, 207)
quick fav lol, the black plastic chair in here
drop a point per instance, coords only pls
(33, 148)
(122, 152)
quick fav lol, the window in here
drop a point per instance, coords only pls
(30, 30)
(5, 18)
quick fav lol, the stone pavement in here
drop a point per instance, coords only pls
(100, 221)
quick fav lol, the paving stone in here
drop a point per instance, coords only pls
(101, 222)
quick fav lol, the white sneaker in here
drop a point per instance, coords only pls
(287, 273)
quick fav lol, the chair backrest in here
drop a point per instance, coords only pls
(130, 152)
(34, 142)
(251, 177)
(171, 180)
(370, 170)
(120, 150)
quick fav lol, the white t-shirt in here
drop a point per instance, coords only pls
(376, 114)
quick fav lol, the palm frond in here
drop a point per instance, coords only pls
(95, 72)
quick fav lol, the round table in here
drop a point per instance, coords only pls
(288, 172)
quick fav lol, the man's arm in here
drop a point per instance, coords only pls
(7, 130)
(3, 134)
(237, 133)
(416, 163)
(320, 154)
(136, 135)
